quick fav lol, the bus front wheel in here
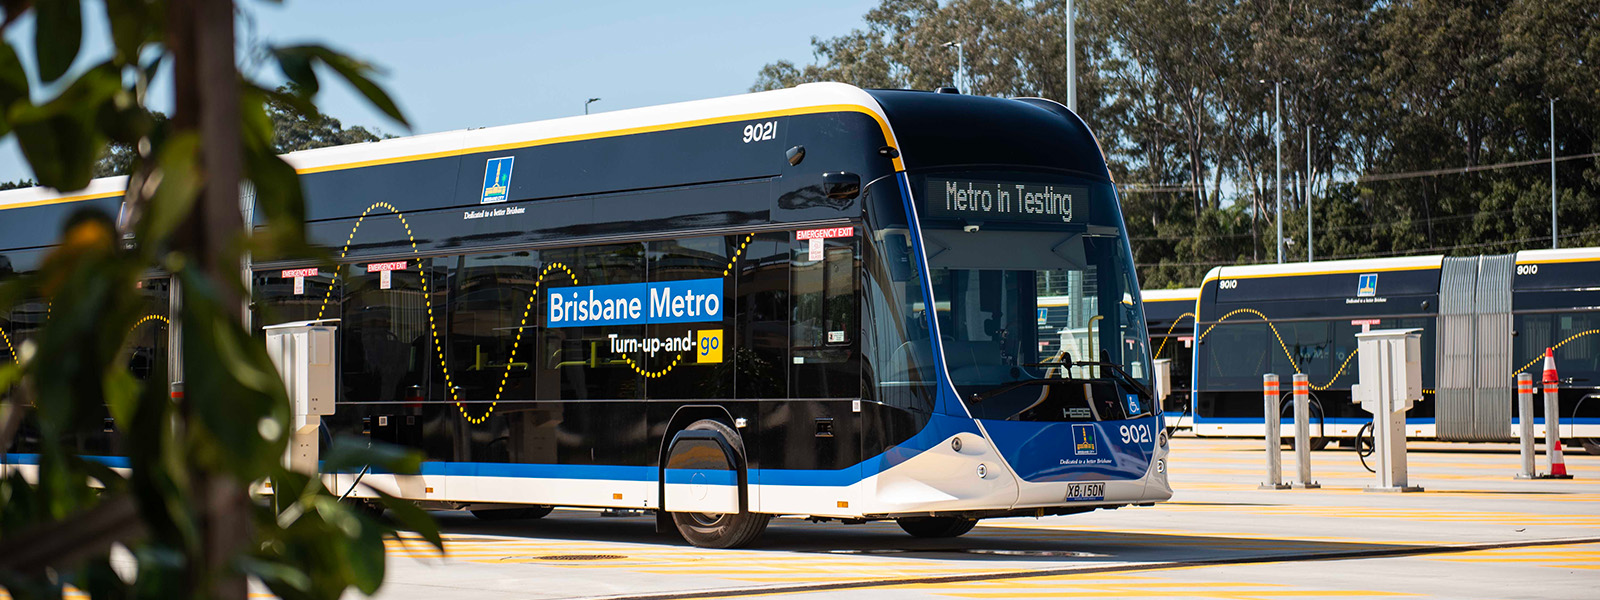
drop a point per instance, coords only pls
(936, 527)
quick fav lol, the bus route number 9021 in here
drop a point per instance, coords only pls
(758, 132)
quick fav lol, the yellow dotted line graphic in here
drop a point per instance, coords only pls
(1341, 372)
(1251, 311)
(1283, 346)
(737, 253)
(732, 262)
(516, 343)
(1557, 346)
(1169, 332)
(9, 347)
(149, 318)
(351, 239)
(654, 374)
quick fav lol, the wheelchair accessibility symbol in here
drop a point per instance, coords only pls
(708, 346)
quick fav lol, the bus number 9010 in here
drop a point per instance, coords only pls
(757, 132)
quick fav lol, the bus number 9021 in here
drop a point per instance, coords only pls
(757, 132)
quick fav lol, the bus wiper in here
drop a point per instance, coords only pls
(1113, 367)
(981, 396)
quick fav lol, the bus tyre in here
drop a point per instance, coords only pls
(1317, 443)
(720, 530)
(1591, 445)
(509, 514)
(936, 527)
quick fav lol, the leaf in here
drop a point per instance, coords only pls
(58, 31)
(409, 516)
(350, 453)
(365, 557)
(275, 575)
(132, 26)
(297, 63)
(60, 138)
(178, 187)
(122, 395)
(13, 83)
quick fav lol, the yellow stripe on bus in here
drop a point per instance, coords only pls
(804, 110)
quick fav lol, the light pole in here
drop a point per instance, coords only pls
(1072, 59)
(587, 103)
(1555, 240)
(961, 65)
(1277, 137)
(1309, 257)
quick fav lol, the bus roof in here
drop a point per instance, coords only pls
(1187, 294)
(1563, 255)
(1368, 265)
(808, 98)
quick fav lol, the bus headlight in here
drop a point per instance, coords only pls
(1161, 465)
(983, 470)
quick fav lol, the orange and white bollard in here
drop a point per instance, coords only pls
(1552, 418)
(1274, 433)
(1302, 432)
(1525, 425)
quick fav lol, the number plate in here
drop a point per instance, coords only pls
(1086, 491)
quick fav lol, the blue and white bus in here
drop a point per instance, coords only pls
(719, 311)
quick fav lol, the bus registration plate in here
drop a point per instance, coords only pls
(1086, 491)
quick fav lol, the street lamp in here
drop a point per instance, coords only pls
(1072, 61)
(1277, 136)
(1555, 240)
(587, 103)
(961, 64)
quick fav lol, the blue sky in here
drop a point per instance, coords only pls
(478, 63)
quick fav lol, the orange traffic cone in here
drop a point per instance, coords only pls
(1558, 463)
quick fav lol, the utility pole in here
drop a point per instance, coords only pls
(1072, 59)
(1309, 256)
(1277, 136)
(1555, 239)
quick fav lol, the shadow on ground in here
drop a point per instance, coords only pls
(1011, 541)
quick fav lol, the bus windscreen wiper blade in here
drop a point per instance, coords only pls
(985, 395)
(1114, 367)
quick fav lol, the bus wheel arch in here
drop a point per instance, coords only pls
(712, 443)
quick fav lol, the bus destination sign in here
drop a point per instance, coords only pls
(976, 200)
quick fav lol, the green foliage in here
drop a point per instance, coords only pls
(1175, 94)
(192, 458)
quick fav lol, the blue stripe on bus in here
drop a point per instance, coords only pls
(1314, 421)
(676, 476)
(120, 462)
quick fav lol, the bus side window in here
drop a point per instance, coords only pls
(762, 342)
(822, 329)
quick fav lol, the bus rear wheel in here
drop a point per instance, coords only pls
(1591, 445)
(509, 514)
(936, 527)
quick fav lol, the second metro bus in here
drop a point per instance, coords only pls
(1483, 319)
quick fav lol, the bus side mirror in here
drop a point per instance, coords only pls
(841, 185)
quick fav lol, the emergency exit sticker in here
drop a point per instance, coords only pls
(299, 276)
(815, 236)
(385, 280)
